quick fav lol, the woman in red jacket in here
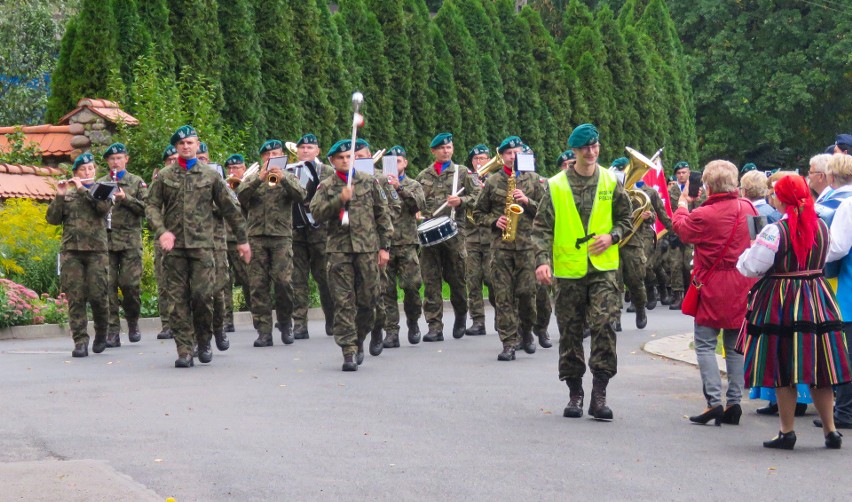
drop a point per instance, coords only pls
(719, 231)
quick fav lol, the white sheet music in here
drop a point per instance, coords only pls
(389, 165)
(526, 162)
(365, 166)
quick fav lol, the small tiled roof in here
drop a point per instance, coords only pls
(106, 109)
(28, 182)
(52, 141)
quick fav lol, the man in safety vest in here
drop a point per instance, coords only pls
(576, 231)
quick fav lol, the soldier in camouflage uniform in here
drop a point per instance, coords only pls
(477, 241)
(404, 263)
(84, 254)
(269, 216)
(309, 244)
(648, 235)
(579, 219)
(169, 157)
(354, 251)
(512, 262)
(445, 260)
(124, 231)
(180, 212)
(680, 253)
(237, 268)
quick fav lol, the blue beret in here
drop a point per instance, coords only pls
(843, 139)
(235, 159)
(830, 149)
(566, 155)
(269, 145)
(114, 149)
(510, 142)
(361, 144)
(86, 158)
(478, 150)
(681, 165)
(620, 163)
(583, 135)
(169, 151)
(748, 167)
(344, 145)
(397, 150)
(202, 147)
(444, 138)
(308, 139)
(184, 132)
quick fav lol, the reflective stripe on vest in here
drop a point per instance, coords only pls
(569, 261)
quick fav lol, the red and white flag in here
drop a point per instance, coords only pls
(656, 178)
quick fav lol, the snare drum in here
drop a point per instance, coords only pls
(436, 230)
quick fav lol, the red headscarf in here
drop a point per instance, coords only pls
(801, 216)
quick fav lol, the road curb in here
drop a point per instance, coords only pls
(676, 347)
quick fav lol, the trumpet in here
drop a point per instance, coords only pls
(292, 157)
(233, 182)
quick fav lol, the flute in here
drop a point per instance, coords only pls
(62, 182)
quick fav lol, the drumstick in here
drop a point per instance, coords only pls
(445, 203)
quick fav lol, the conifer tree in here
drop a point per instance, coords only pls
(337, 77)
(198, 41)
(627, 126)
(132, 37)
(551, 12)
(94, 56)
(241, 77)
(530, 112)
(651, 100)
(61, 99)
(423, 96)
(447, 110)
(154, 16)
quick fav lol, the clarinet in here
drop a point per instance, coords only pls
(114, 177)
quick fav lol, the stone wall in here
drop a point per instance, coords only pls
(91, 131)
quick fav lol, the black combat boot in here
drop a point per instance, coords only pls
(286, 333)
(616, 326)
(575, 399)
(205, 353)
(359, 356)
(652, 298)
(677, 300)
(476, 329)
(133, 333)
(263, 340)
(349, 363)
(508, 353)
(81, 350)
(434, 335)
(300, 332)
(641, 318)
(665, 295)
(185, 361)
(165, 334)
(597, 406)
(222, 342)
(229, 326)
(544, 339)
(391, 341)
(113, 340)
(631, 309)
(458, 328)
(413, 332)
(528, 342)
(376, 345)
(329, 327)
(100, 343)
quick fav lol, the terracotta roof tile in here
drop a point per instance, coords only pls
(52, 141)
(106, 109)
(37, 182)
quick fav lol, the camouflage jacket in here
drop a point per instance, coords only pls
(370, 227)
(491, 205)
(437, 188)
(658, 208)
(674, 196)
(405, 223)
(83, 220)
(584, 190)
(181, 201)
(127, 214)
(310, 234)
(269, 210)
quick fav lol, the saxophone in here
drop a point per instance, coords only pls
(512, 211)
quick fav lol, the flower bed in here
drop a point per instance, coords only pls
(21, 306)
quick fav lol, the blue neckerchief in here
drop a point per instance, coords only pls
(120, 174)
(401, 176)
(445, 165)
(90, 185)
(639, 184)
(682, 186)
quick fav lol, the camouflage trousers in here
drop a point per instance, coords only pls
(513, 279)
(680, 266)
(353, 280)
(443, 261)
(84, 279)
(238, 276)
(403, 268)
(223, 294)
(271, 267)
(125, 272)
(190, 280)
(594, 295)
(543, 308)
(162, 298)
(631, 273)
(655, 271)
(477, 268)
(309, 259)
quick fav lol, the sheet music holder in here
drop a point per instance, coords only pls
(389, 165)
(365, 166)
(279, 162)
(755, 225)
(218, 168)
(103, 190)
(525, 162)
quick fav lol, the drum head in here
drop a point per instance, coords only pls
(433, 223)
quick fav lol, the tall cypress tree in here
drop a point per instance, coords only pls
(423, 97)
(447, 109)
(530, 111)
(94, 59)
(198, 41)
(133, 38)
(154, 16)
(241, 78)
(504, 13)
(61, 98)
(337, 75)
(626, 121)
(551, 12)
(651, 100)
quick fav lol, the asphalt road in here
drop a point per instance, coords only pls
(436, 421)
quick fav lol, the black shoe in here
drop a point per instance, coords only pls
(574, 409)
(413, 333)
(528, 342)
(349, 363)
(300, 332)
(782, 441)
(222, 342)
(263, 340)
(458, 328)
(597, 407)
(769, 409)
(801, 409)
(329, 327)
(184, 361)
(100, 344)
(508, 353)
(544, 339)
(434, 336)
(732, 414)
(475, 329)
(229, 327)
(113, 340)
(837, 424)
(359, 356)
(81, 350)
(834, 440)
(376, 345)
(666, 300)
(205, 354)
(286, 333)
(616, 326)
(641, 318)
(166, 334)
(677, 300)
(631, 309)
(651, 304)
(587, 332)
(715, 413)
(133, 333)
(391, 341)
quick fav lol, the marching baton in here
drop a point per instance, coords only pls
(357, 99)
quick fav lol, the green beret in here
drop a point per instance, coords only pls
(202, 147)
(361, 144)
(620, 163)
(235, 159)
(525, 148)
(748, 167)
(566, 155)
(184, 132)
(114, 149)
(681, 165)
(770, 172)
(444, 138)
(583, 135)
(397, 150)
(86, 158)
(510, 142)
(344, 145)
(308, 139)
(168, 152)
(671, 178)
(478, 150)
(271, 144)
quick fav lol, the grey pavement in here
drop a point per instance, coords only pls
(439, 421)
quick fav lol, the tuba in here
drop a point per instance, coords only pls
(512, 212)
(292, 157)
(636, 170)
